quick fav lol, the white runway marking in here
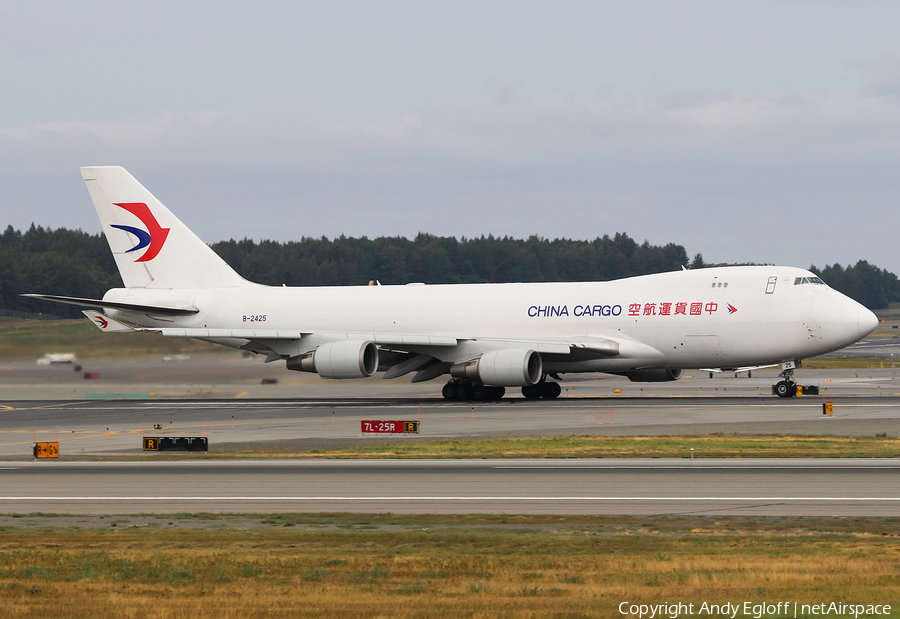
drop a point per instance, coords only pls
(653, 467)
(433, 498)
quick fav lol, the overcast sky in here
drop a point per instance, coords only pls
(764, 131)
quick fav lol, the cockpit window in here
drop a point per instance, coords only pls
(807, 280)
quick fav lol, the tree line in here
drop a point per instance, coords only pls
(75, 263)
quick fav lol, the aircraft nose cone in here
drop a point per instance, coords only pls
(867, 321)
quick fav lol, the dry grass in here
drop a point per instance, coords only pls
(584, 446)
(487, 572)
(848, 363)
(581, 446)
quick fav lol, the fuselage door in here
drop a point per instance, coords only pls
(770, 286)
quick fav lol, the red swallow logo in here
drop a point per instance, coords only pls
(153, 238)
(731, 309)
(103, 323)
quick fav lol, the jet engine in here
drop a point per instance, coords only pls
(652, 376)
(512, 367)
(345, 359)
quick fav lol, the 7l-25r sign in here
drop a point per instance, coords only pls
(390, 427)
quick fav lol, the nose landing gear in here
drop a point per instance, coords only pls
(786, 388)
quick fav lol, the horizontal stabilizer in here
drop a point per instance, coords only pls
(131, 307)
(107, 324)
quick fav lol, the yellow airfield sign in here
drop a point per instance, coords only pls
(46, 450)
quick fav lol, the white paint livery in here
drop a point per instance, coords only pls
(509, 334)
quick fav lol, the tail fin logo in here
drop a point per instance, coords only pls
(153, 238)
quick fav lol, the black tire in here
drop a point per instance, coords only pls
(550, 391)
(531, 392)
(449, 392)
(462, 392)
(785, 389)
(498, 393)
(480, 392)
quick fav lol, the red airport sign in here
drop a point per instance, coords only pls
(390, 427)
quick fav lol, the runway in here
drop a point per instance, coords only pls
(564, 487)
(116, 427)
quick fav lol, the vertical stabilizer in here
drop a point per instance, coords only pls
(152, 248)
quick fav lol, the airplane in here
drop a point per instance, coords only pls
(486, 337)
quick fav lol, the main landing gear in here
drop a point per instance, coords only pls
(548, 391)
(460, 389)
(786, 388)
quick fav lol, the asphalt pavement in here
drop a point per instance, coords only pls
(563, 487)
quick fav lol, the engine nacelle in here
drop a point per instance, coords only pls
(344, 359)
(652, 376)
(512, 367)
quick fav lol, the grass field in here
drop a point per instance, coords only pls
(582, 446)
(848, 363)
(586, 446)
(323, 566)
(21, 337)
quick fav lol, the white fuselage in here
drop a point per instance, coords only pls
(718, 317)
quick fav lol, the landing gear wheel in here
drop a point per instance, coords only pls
(449, 391)
(785, 389)
(458, 389)
(550, 391)
(480, 392)
(531, 392)
(462, 391)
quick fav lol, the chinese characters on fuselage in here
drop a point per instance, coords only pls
(684, 308)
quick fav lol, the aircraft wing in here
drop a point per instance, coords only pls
(579, 346)
(382, 339)
(590, 346)
(428, 355)
(745, 368)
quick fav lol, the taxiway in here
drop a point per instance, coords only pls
(564, 487)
